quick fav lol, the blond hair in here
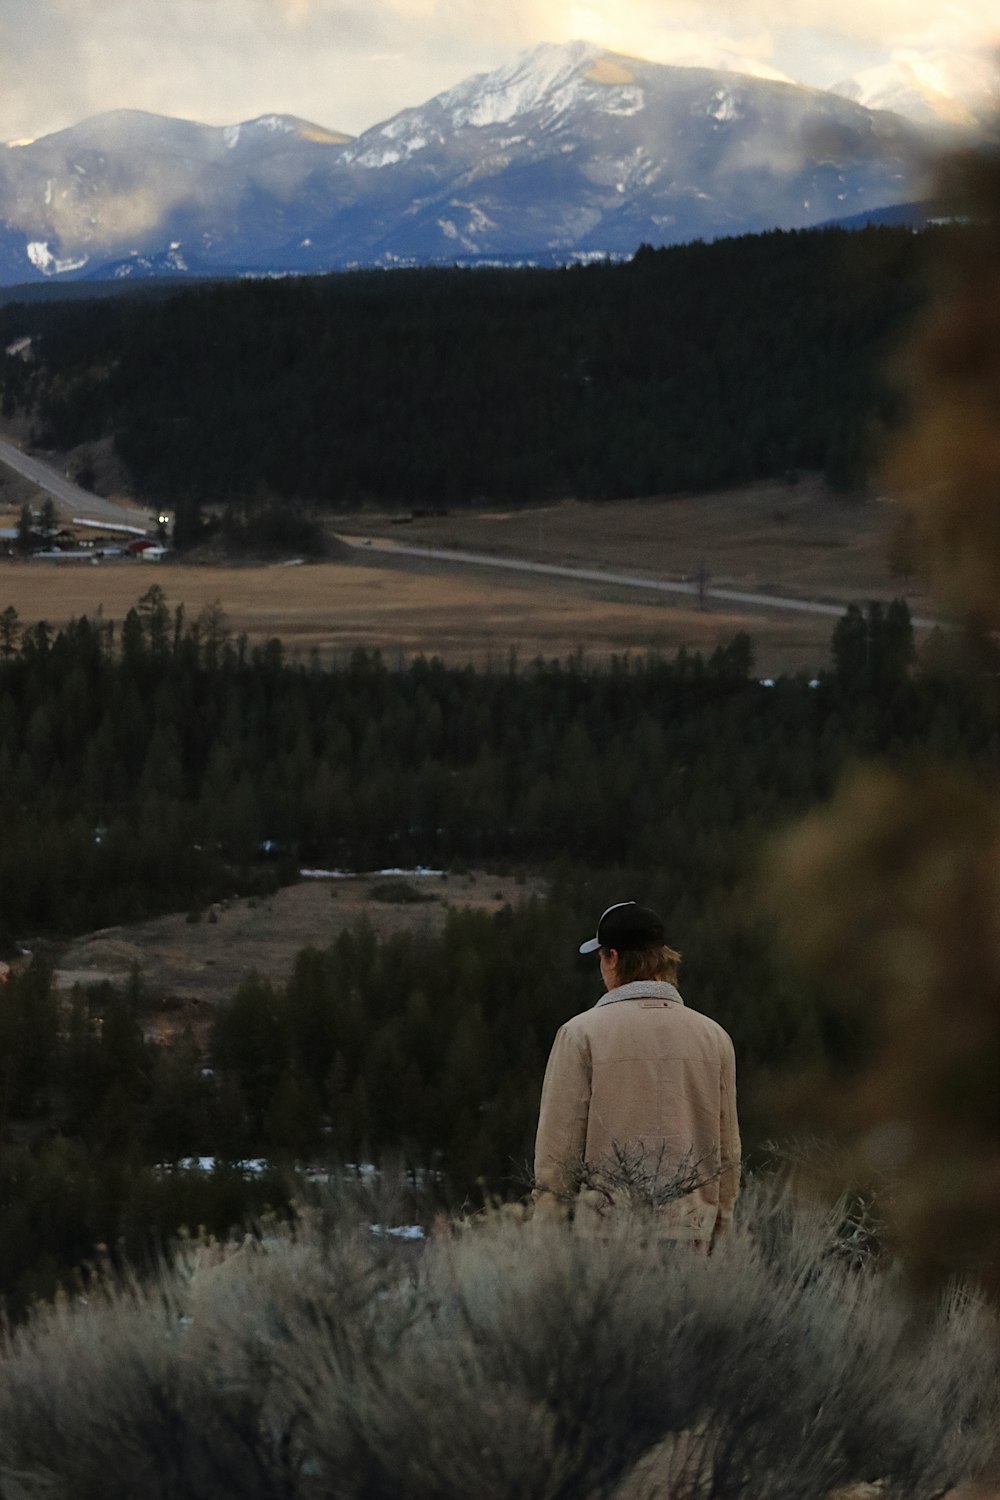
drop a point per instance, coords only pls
(656, 962)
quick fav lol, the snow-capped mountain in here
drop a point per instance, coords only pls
(575, 150)
(566, 152)
(133, 183)
(949, 89)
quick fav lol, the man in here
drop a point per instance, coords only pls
(638, 1110)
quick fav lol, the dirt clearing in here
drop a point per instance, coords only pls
(188, 967)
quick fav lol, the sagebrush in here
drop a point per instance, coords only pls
(504, 1359)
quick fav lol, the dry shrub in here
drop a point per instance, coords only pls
(896, 886)
(509, 1360)
(947, 462)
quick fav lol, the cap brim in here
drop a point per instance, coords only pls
(590, 946)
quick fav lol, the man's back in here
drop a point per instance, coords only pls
(639, 1101)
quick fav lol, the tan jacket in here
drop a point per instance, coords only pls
(639, 1111)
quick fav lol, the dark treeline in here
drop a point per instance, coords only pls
(689, 368)
(143, 768)
(88, 1111)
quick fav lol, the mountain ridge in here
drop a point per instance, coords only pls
(568, 151)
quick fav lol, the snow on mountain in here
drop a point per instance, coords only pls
(544, 83)
(547, 78)
(576, 150)
(931, 88)
(128, 184)
(565, 153)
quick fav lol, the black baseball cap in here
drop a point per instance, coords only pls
(626, 926)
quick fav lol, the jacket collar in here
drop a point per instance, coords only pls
(642, 989)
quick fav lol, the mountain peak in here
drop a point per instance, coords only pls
(931, 88)
(118, 127)
(567, 152)
(707, 53)
(528, 82)
(277, 126)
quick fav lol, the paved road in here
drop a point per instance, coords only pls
(71, 500)
(601, 576)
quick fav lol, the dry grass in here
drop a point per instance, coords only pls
(509, 1362)
(406, 610)
(797, 539)
(204, 962)
(794, 540)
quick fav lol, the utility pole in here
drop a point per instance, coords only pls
(702, 581)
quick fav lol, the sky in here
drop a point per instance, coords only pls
(348, 64)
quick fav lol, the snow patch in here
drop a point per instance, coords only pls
(387, 156)
(624, 101)
(42, 259)
(231, 136)
(421, 871)
(48, 193)
(277, 124)
(254, 1166)
(478, 219)
(549, 75)
(373, 158)
(724, 106)
(398, 1231)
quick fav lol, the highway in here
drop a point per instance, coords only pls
(71, 500)
(77, 502)
(604, 578)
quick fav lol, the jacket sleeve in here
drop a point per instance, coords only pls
(729, 1139)
(562, 1120)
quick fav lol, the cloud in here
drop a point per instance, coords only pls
(349, 63)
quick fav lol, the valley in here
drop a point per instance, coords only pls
(769, 537)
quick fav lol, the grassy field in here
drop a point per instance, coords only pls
(794, 540)
(784, 538)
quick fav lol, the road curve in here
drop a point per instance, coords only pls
(601, 576)
(69, 497)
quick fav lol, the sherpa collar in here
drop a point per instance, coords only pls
(642, 989)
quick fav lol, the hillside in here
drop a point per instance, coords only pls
(687, 369)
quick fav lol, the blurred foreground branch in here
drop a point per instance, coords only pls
(895, 888)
